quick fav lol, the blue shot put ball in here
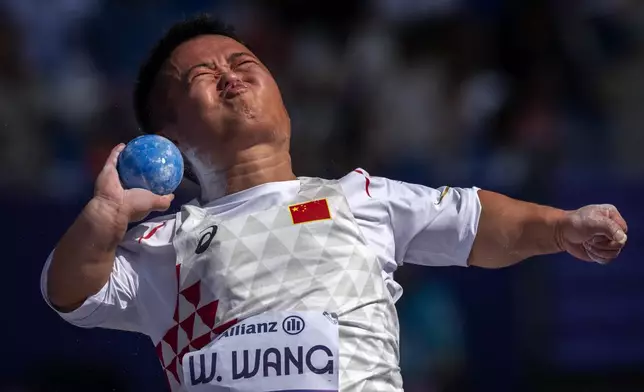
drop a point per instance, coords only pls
(151, 162)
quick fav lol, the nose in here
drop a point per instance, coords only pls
(227, 79)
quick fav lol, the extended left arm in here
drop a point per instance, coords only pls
(510, 231)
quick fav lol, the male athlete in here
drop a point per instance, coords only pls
(269, 281)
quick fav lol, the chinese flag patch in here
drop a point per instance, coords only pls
(310, 211)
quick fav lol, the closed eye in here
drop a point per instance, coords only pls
(200, 74)
(246, 62)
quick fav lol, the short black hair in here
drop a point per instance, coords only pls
(201, 24)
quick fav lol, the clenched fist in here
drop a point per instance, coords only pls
(593, 233)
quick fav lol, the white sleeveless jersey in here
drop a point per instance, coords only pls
(306, 245)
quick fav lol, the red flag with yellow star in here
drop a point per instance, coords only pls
(310, 211)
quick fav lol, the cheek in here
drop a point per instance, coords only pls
(195, 112)
(273, 89)
(274, 99)
(204, 97)
(269, 93)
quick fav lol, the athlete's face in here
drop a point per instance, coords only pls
(222, 97)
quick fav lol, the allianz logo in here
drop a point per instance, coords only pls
(291, 325)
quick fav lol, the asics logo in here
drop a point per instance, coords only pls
(206, 239)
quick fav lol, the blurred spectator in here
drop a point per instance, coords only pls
(22, 114)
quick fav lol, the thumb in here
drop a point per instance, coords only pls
(162, 203)
(610, 229)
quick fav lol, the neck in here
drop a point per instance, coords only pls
(251, 167)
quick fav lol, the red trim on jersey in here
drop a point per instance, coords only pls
(151, 233)
(366, 187)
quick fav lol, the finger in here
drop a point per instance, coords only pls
(599, 255)
(114, 156)
(607, 227)
(599, 260)
(604, 254)
(162, 203)
(605, 243)
(614, 214)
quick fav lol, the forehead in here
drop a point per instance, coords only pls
(205, 48)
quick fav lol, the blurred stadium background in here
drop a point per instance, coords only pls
(541, 100)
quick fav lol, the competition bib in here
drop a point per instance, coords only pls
(271, 352)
